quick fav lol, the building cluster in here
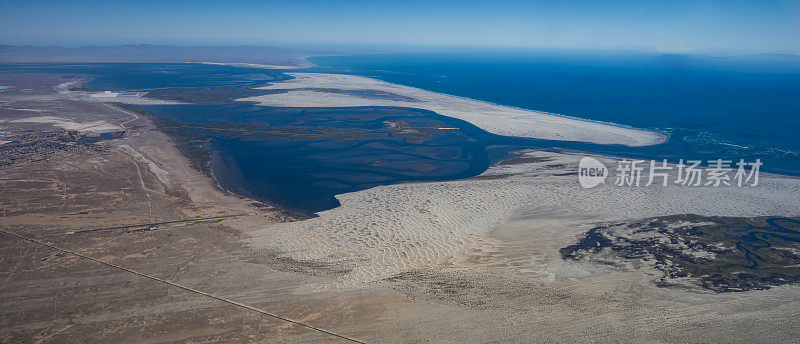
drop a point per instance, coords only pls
(34, 146)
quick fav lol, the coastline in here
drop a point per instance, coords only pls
(311, 64)
(547, 177)
(480, 235)
(536, 205)
(478, 257)
(156, 148)
(302, 64)
(200, 159)
(308, 90)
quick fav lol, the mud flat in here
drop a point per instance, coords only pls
(315, 90)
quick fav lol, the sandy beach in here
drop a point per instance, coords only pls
(302, 63)
(315, 90)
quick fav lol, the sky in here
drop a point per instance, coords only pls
(678, 26)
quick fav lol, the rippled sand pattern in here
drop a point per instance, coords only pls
(383, 231)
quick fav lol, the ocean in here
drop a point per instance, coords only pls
(300, 158)
(744, 107)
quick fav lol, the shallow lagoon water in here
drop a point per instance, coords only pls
(730, 109)
(299, 159)
(143, 76)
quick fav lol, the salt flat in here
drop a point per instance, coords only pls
(98, 126)
(314, 90)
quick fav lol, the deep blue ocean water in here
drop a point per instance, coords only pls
(713, 107)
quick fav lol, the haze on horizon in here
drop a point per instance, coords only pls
(665, 26)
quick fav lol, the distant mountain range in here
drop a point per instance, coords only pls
(280, 56)
(154, 53)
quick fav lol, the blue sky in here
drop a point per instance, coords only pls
(667, 26)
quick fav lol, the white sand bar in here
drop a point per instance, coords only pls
(313, 90)
(256, 65)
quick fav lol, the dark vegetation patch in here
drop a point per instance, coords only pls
(463, 288)
(276, 260)
(205, 95)
(723, 254)
(35, 146)
(372, 94)
(191, 144)
(518, 158)
(493, 176)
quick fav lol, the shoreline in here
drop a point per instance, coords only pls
(479, 257)
(303, 64)
(204, 166)
(274, 204)
(666, 138)
(425, 224)
(494, 118)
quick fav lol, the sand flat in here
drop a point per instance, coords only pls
(388, 230)
(309, 90)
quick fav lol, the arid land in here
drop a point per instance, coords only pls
(90, 250)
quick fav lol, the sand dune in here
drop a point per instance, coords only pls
(313, 90)
(387, 230)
